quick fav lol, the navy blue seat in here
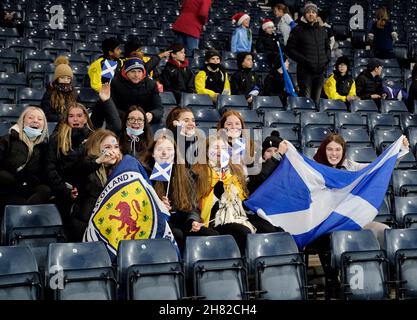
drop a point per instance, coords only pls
(87, 96)
(312, 137)
(412, 138)
(359, 250)
(10, 57)
(300, 104)
(408, 121)
(393, 106)
(6, 96)
(381, 121)
(150, 270)
(168, 99)
(286, 133)
(251, 117)
(309, 152)
(30, 96)
(361, 154)
(206, 117)
(406, 211)
(332, 105)
(191, 100)
(215, 267)
(356, 137)
(404, 182)
(349, 121)
(316, 120)
(4, 128)
(362, 106)
(384, 137)
(11, 112)
(230, 102)
(280, 119)
(262, 103)
(19, 274)
(384, 214)
(12, 81)
(87, 269)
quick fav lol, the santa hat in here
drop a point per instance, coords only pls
(267, 23)
(239, 17)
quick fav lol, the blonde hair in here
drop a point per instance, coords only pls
(65, 130)
(381, 17)
(22, 135)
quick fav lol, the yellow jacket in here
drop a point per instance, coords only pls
(331, 92)
(200, 84)
(94, 72)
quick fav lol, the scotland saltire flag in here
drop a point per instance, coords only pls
(108, 69)
(127, 209)
(308, 199)
(161, 172)
(289, 87)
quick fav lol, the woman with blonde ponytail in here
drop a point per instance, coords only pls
(60, 92)
(22, 156)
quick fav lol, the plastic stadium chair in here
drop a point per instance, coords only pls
(262, 103)
(406, 211)
(12, 81)
(87, 96)
(206, 117)
(404, 183)
(316, 120)
(408, 121)
(150, 270)
(300, 104)
(312, 137)
(309, 152)
(191, 100)
(30, 96)
(349, 121)
(19, 275)
(356, 137)
(412, 138)
(168, 99)
(384, 214)
(384, 137)
(388, 72)
(361, 155)
(215, 267)
(225, 101)
(408, 161)
(381, 121)
(251, 117)
(359, 250)
(10, 57)
(367, 106)
(393, 106)
(332, 105)
(278, 266)
(5, 96)
(11, 112)
(87, 269)
(281, 119)
(401, 247)
(4, 128)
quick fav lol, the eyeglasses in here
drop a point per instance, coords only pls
(133, 121)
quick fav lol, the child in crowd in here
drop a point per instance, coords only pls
(286, 23)
(242, 35)
(340, 85)
(267, 39)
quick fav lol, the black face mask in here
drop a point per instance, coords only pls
(214, 66)
(63, 87)
(78, 135)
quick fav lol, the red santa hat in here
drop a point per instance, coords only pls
(267, 23)
(239, 17)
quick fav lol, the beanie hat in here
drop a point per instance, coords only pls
(175, 47)
(210, 53)
(109, 44)
(241, 57)
(267, 23)
(342, 60)
(132, 45)
(373, 63)
(310, 6)
(272, 141)
(134, 64)
(62, 68)
(239, 17)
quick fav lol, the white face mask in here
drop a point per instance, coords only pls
(134, 132)
(32, 133)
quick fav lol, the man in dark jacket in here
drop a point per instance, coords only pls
(369, 82)
(177, 76)
(309, 46)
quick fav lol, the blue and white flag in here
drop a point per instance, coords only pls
(289, 87)
(161, 172)
(108, 69)
(308, 199)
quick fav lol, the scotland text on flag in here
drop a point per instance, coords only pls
(308, 199)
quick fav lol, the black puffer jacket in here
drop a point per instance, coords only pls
(244, 81)
(267, 43)
(367, 84)
(177, 78)
(14, 159)
(145, 94)
(309, 46)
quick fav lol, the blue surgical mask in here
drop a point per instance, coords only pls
(32, 133)
(134, 132)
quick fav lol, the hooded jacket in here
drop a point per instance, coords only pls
(366, 85)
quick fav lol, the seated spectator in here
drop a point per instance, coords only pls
(412, 92)
(274, 84)
(107, 65)
(8, 20)
(369, 82)
(212, 79)
(60, 92)
(22, 159)
(245, 81)
(177, 76)
(267, 39)
(340, 85)
(136, 134)
(382, 35)
(242, 35)
(286, 23)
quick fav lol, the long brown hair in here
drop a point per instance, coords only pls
(321, 156)
(283, 8)
(204, 174)
(381, 17)
(181, 188)
(61, 100)
(175, 114)
(65, 130)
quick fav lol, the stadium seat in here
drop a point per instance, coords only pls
(11, 112)
(4, 128)
(384, 137)
(191, 100)
(404, 182)
(251, 117)
(346, 120)
(393, 106)
(384, 214)
(215, 267)
(390, 64)
(359, 251)
(300, 104)
(309, 152)
(381, 121)
(206, 117)
(412, 138)
(12, 81)
(286, 133)
(19, 275)
(20, 44)
(389, 72)
(231, 102)
(281, 119)
(312, 137)
(150, 270)
(87, 96)
(401, 247)
(316, 120)
(29, 96)
(55, 46)
(263, 103)
(367, 106)
(10, 57)
(87, 269)
(406, 211)
(6, 96)
(408, 121)
(168, 99)
(361, 154)
(331, 106)
(407, 161)
(356, 137)
(277, 265)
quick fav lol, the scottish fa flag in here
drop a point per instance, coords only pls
(127, 209)
(289, 87)
(108, 69)
(308, 199)
(161, 172)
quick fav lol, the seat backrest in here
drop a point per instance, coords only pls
(349, 120)
(408, 121)
(295, 103)
(361, 155)
(17, 259)
(168, 98)
(310, 152)
(384, 137)
(192, 99)
(402, 179)
(332, 105)
(206, 115)
(363, 106)
(274, 118)
(321, 119)
(226, 101)
(266, 102)
(376, 120)
(393, 106)
(405, 206)
(398, 239)
(312, 137)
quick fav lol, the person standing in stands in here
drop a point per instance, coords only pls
(107, 65)
(8, 20)
(242, 35)
(60, 92)
(286, 23)
(267, 39)
(308, 45)
(213, 79)
(340, 85)
(274, 84)
(189, 25)
(382, 35)
(177, 76)
(412, 92)
(245, 81)
(369, 82)
(22, 159)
